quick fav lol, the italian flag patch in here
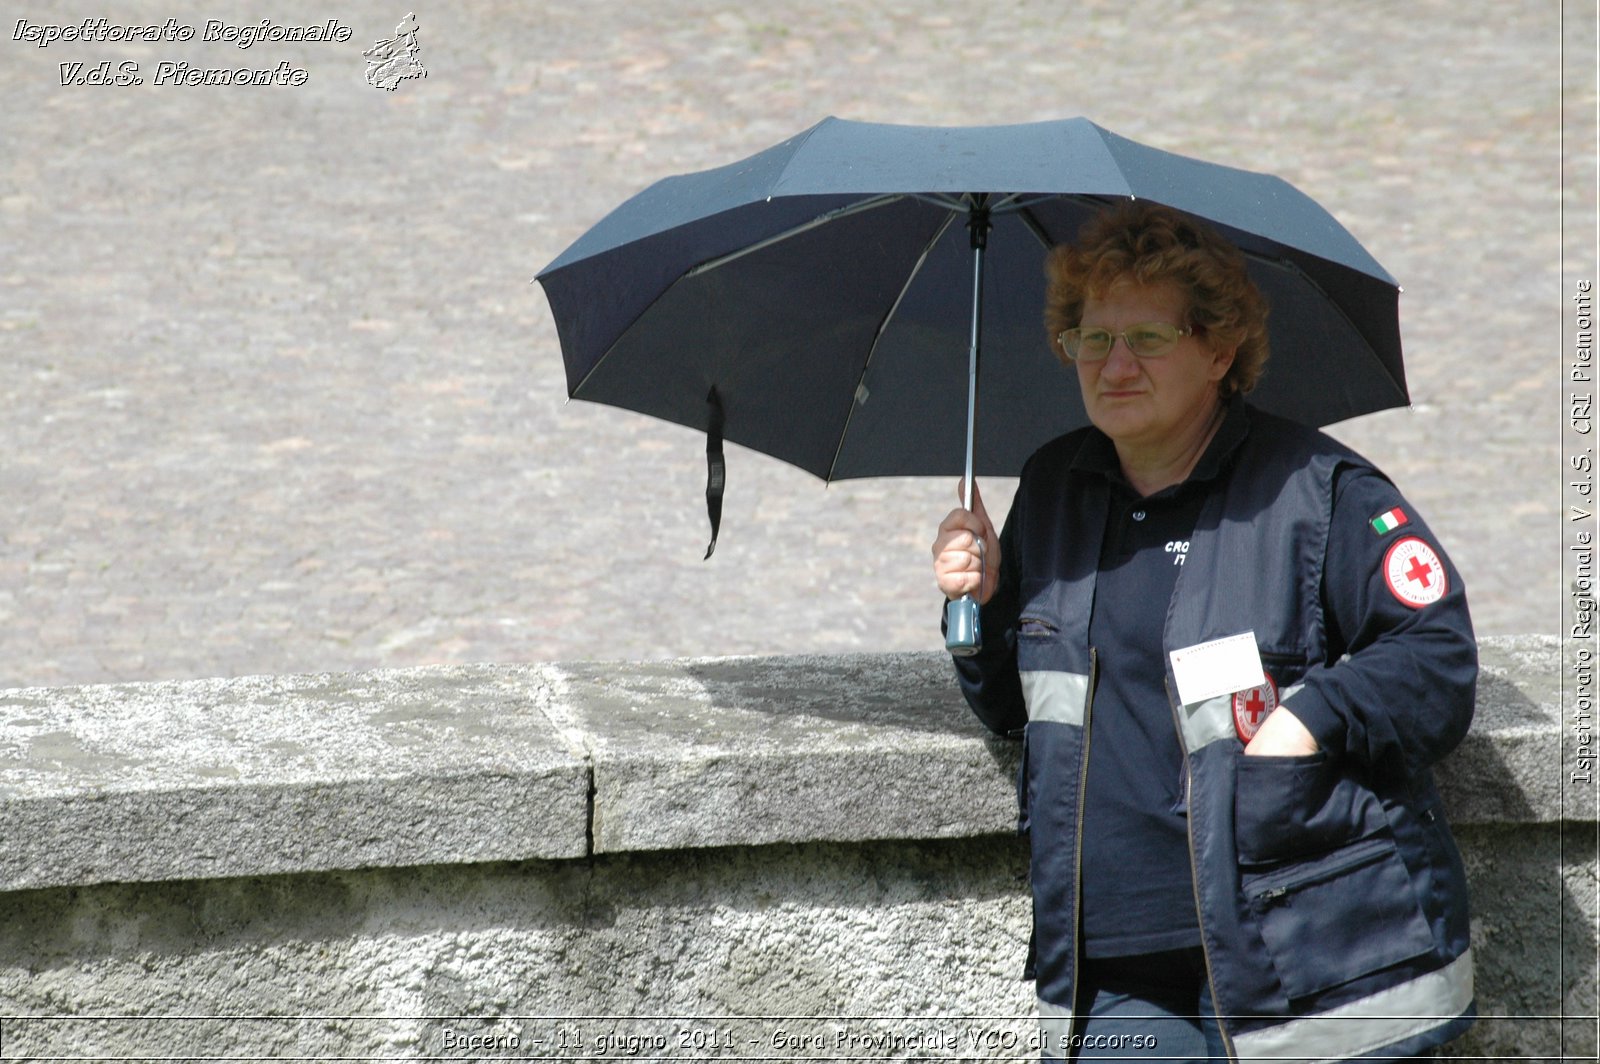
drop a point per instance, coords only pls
(1389, 521)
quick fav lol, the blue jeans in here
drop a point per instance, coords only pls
(1154, 1006)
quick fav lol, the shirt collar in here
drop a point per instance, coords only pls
(1099, 455)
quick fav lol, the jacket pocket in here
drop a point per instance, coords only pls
(1291, 807)
(1336, 917)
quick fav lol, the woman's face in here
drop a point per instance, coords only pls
(1143, 402)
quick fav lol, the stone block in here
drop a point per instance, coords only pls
(262, 775)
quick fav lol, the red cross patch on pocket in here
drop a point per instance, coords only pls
(1251, 707)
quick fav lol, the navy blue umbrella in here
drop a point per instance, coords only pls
(825, 301)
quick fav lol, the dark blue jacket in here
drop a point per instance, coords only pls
(1331, 898)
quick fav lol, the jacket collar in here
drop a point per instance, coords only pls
(1099, 455)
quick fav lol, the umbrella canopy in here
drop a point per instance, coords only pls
(824, 289)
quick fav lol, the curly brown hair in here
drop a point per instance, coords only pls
(1151, 244)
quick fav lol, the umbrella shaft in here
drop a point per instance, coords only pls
(979, 228)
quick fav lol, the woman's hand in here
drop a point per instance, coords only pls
(1281, 735)
(966, 552)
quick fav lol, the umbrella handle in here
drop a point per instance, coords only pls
(962, 636)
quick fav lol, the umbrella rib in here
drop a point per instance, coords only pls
(711, 264)
(942, 202)
(1024, 209)
(1283, 262)
(1033, 226)
(911, 276)
(1014, 203)
(804, 227)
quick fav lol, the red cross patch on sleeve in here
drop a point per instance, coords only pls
(1414, 573)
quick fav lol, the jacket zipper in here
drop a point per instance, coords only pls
(1194, 876)
(1077, 846)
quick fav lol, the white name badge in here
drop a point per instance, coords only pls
(1219, 667)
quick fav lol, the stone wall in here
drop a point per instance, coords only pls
(782, 858)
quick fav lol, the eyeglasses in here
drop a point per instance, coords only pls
(1149, 340)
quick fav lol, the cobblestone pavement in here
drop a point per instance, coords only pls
(280, 396)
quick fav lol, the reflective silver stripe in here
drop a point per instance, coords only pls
(1057, 696)
(1207, 722)
(1379, 1020)
(1055, 1023)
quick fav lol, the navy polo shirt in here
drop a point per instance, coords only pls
(1138, 885)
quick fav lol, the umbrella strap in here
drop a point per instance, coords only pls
(716, 468)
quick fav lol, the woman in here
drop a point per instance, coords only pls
(1232, 651)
